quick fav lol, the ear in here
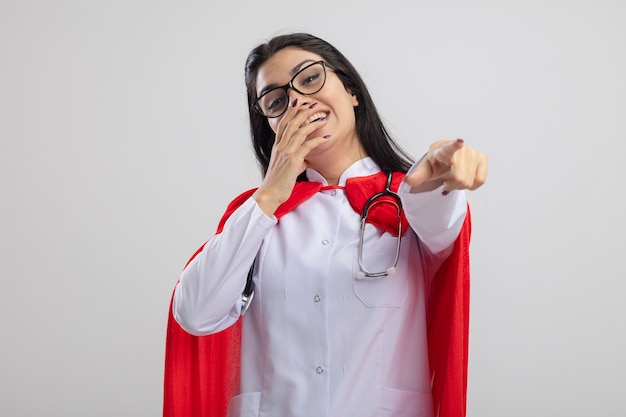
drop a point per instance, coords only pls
(355, 100)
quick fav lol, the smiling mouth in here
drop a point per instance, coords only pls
(315, 118)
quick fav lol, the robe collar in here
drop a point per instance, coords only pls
(361, 181)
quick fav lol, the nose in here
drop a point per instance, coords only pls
(302, 99)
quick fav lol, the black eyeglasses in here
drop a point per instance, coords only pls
(309, 80)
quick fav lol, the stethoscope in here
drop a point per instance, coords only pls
(248, 292)
(371, 202)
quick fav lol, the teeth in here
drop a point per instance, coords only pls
(314, 118)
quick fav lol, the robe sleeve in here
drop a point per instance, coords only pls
(207, 298)
(435, 218)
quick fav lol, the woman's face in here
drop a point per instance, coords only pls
(333, 99)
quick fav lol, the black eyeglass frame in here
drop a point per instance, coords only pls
(289, 85)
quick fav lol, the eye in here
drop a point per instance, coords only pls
(275, 103)
(311, 78)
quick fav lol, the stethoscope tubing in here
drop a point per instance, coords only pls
(371, 202)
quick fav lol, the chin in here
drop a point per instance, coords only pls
(317, 135)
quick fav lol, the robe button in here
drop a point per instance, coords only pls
(333, 192)
(319, 370)
(325, 242)
(317, 298)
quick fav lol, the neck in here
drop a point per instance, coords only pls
(333, 162)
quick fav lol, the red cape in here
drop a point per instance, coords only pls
(202, 373)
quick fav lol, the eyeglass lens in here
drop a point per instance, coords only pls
(308, 80)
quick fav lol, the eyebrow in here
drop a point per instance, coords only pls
(294, 71)
(297, 67)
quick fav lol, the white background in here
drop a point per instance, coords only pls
(124, 134)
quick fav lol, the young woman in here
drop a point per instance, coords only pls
(359, 307)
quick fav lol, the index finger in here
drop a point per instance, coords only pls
(290, 114)
(445, 152)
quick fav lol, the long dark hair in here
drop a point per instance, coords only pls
(375, 139)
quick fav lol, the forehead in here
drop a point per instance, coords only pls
(281, 66)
